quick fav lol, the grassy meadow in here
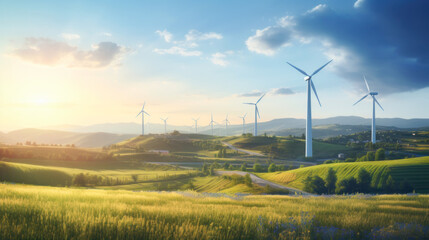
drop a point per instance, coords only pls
(414, 170)
(35, 212)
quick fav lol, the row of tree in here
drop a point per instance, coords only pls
(360, 184)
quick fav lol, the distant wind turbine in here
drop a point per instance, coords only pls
(308, 130)
(256, 113)
(143, 112)
(244, 121)
(212, 122)
(196, 124)
(226, 125)
(165, 124)
(374, 100)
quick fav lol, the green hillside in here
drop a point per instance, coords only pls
(415, 170)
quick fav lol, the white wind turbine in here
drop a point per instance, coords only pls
(143, 112)
(256, 114)
(308, 129)
(165, 124)
(226, 125)
(374, 100)
(244, 121)
(196, 124)
(212, 122)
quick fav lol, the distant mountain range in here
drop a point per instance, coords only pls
(99, 135)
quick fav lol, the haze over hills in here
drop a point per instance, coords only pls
(105, 134)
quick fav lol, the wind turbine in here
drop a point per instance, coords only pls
(165, 124)
(244, 121)
(374, 100)
(211, 123)
(256, 113)
(196, 124)
(143, 112)
(226, 125)
(308, 130)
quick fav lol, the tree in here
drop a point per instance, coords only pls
(390, 185)
(226, 166)
(248, 180)
(370, 156)
(348, 185)
(315, 184)
(380, 154)
(79, 180)
(331, 180)
(205, 168)
(135, 177)
(364, 181)
(405, 187)
(243, 167)
(272, 167)
(212, 168)
(257, 167)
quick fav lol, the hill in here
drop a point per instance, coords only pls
(415, 170)
(42, 136)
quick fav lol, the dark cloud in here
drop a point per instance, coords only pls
(49, 52)
(385, 40)
(282, 91)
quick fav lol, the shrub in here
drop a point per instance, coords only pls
(257, 167)
(348, 185)
(272, 167)
(380, 154)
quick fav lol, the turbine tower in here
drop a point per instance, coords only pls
(165, 124)
(196, 124)
(143, 112)
(374, 100)
(256, 114)
(211, 123)
(308, 129)
(226, 125)
(244, 121)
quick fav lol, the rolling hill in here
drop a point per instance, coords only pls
(414, 170)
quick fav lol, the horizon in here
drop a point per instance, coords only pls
(91, 65)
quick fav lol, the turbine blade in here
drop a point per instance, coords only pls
(378, 103)
(143, 105)
(249, 103)
(367, 87)
(260, 99)
(245, 115)
(146, 113)
(320, 68)
(299, 70)
(257, 111)
(314, 90)
(139, 113)
(361, 99)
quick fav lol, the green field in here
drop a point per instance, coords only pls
(34, 212)
(415, 170)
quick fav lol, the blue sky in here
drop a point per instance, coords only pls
(87, 62)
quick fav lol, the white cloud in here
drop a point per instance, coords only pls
(177, 51)
(165, 34)
(70, 36)
(44, 51)
(269, 39)
(219, 59)
(194, 35)
(106, 34)
(317, 8)
(358, 3)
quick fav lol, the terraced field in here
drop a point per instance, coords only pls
(415, 170)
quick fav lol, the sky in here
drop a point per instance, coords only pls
(90, 62)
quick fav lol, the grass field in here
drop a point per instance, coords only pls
(62, 176)
(415, 170)
(34, 212)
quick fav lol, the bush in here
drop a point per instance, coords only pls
(243, 167)
(348, 185)
(272, 167)
(135, 177)
(248, 180)
(380, 154)
(370, 156)
(257, 167)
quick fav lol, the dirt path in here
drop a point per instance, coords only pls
(262, 182)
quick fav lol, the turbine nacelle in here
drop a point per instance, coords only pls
(373, 93)
(306, 78)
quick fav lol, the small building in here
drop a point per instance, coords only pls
(341, 155)
(161, 152)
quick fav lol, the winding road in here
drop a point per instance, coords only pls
(262, 182)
